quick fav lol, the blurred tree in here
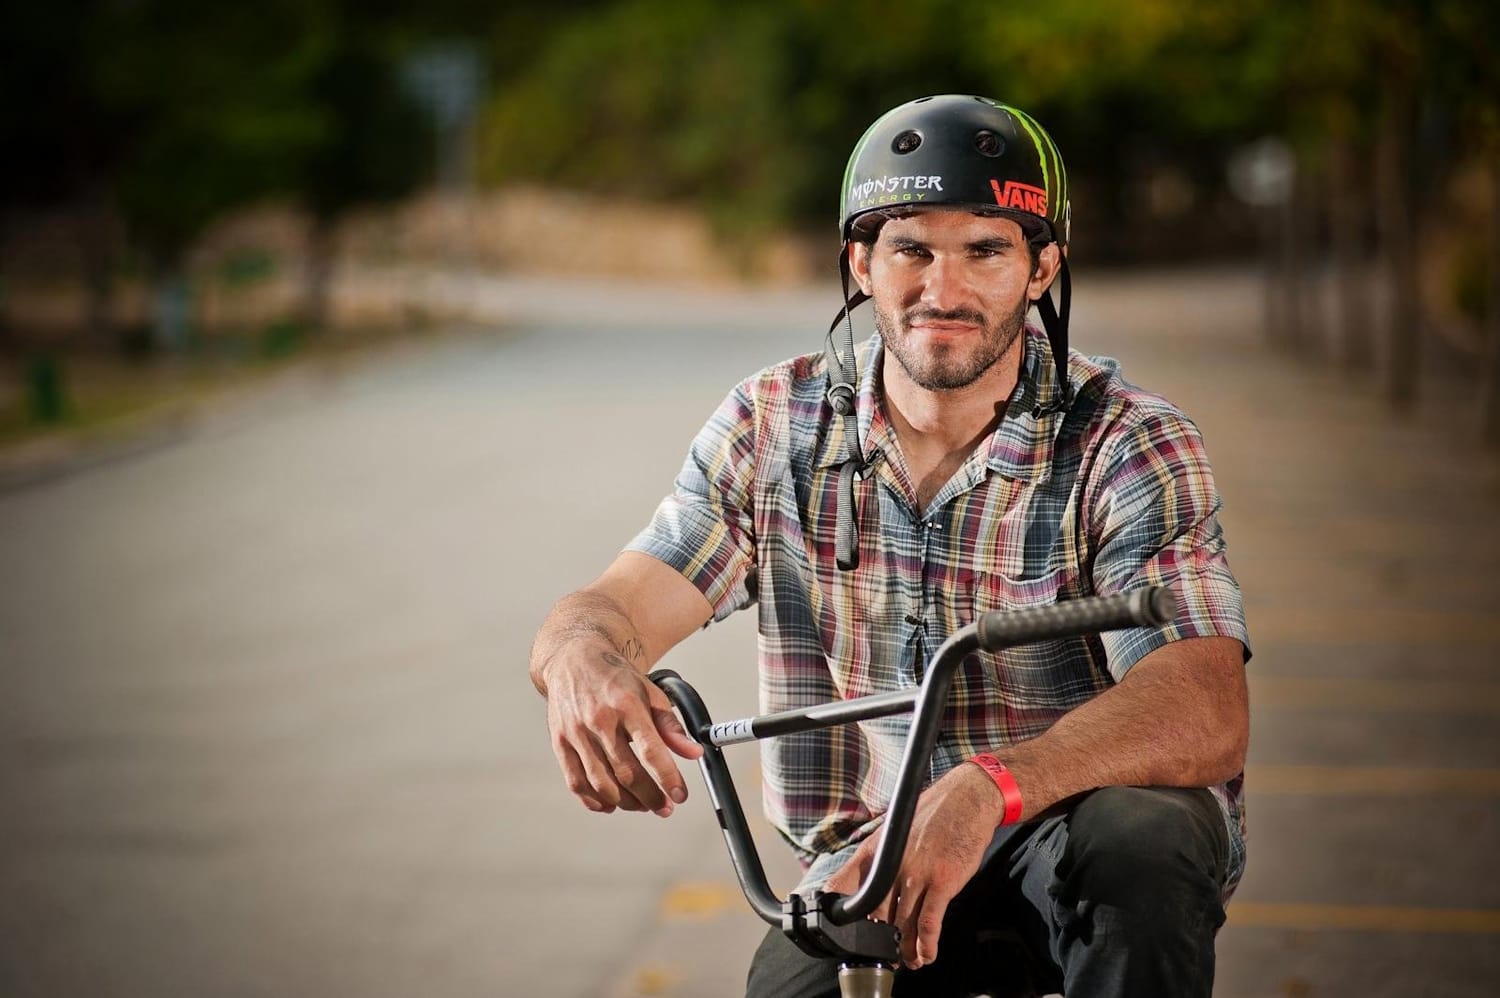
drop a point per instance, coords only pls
(372, 145)
(1467, 37)
(61, 145)
(212, 104)
(748, 109)
(1402, 44)
(1320, 56)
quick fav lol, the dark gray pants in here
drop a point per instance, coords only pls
(1120, 895)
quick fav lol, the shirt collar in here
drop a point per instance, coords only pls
(1021, 446)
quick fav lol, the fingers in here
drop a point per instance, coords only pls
(601, 779)
(637, 790)
(577, 779)
(645, 767)
(847, 878)
(928, 926)
(919, 915)
(671, 730)
(665, 732)
(604, 779)
(908, 904)
(613, 752)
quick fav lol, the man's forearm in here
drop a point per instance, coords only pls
(590, 617)
(1180, 718)
(635, 612)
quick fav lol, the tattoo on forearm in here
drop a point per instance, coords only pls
(633, 650)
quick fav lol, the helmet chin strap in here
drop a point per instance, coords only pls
(843, 393)
(1055, 322)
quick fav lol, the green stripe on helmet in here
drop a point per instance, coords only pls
(1055, 208)
(1041, 152)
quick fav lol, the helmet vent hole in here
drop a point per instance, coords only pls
(988, 143)
(906, 142)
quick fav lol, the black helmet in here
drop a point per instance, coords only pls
(958, 150)
(950, 151)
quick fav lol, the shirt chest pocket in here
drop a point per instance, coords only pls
(1030, 684)
(994, 591)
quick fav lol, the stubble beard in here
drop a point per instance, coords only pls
(946, 369)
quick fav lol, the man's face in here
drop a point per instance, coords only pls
(950, 290)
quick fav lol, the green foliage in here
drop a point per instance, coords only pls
(281, 339)
(212, 101)
(752, 108)
(180, 109)
(373, 144)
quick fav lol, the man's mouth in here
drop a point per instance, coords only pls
(953, 323)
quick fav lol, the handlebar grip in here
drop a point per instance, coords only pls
(1152, 605)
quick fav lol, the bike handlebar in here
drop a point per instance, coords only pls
(993, 631)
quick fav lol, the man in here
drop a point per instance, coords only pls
(965, 462)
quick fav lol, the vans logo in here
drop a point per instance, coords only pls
(1021, 196)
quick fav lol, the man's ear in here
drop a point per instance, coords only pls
(859, 264)
(1048, 263)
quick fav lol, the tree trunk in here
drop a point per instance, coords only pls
(1289, 332)
(1489, 394)
(97, 248)
(1354, 350)
(1268, 222)
(1307, 301)
(1398, 238)
(317, 285)
(9, 345)
(170, 307)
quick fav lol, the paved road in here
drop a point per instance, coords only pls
(264, 727)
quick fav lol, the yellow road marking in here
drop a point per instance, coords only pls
(1409, 695)
(1367, 918)
(655, 979)
(1371, 781)
(701, 900)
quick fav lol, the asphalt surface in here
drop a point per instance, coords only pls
(265, 727)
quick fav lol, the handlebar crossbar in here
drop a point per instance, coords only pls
(993, 631)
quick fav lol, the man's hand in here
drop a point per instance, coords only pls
(611, 729)
(955, 820)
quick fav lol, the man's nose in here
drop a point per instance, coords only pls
(944, 284)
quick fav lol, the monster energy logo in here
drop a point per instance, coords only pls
(893, 185)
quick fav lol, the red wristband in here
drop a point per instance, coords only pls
(1009, 791)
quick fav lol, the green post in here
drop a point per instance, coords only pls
(46, 392)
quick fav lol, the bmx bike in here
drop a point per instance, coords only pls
(828, 924)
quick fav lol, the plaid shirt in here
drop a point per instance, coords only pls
(1114, 495)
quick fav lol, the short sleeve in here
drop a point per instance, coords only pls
(706, 527)
(1154, 519)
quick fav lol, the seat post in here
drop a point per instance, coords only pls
(865, 980)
